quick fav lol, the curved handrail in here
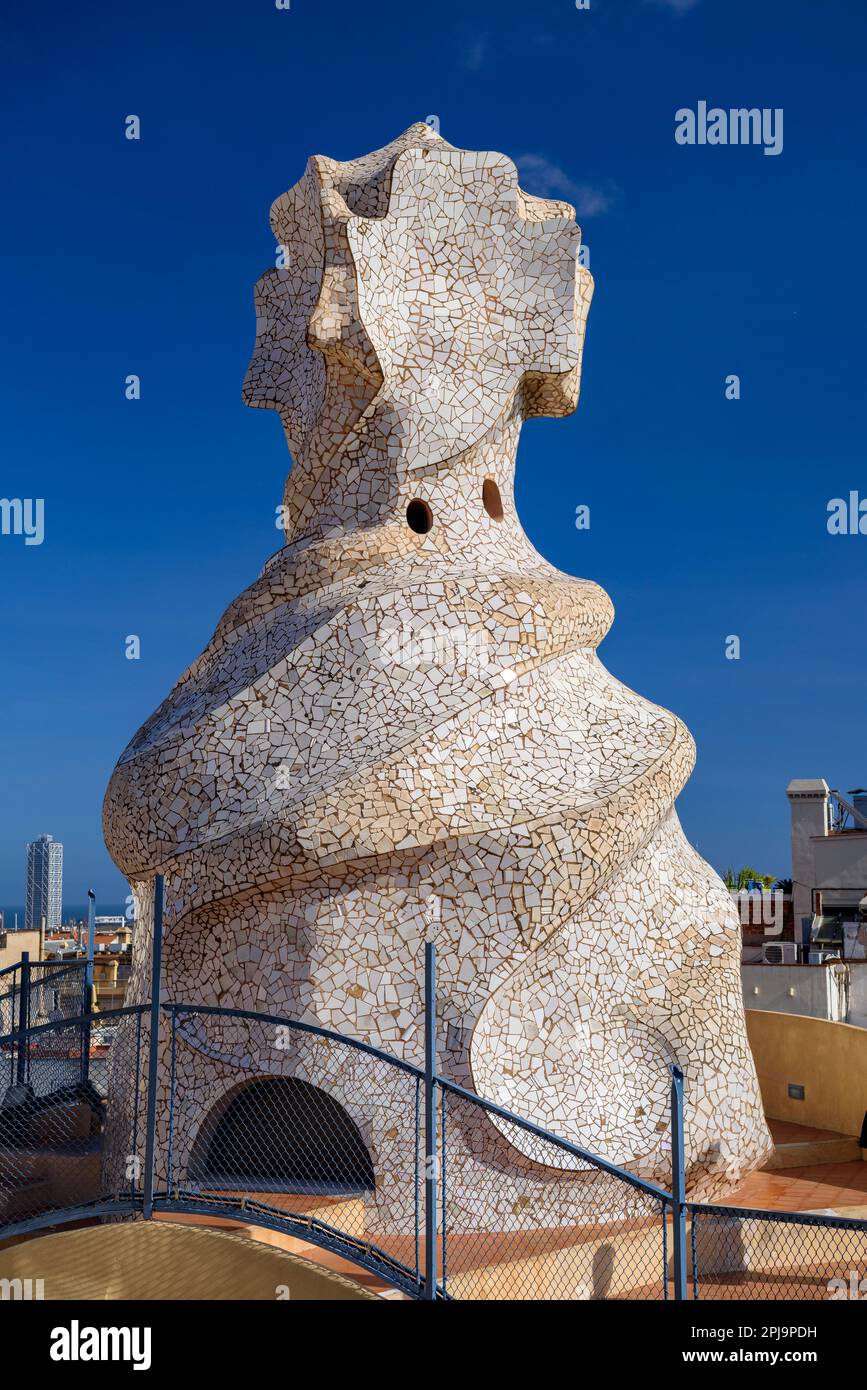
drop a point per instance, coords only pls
(252, 1209)
(365, 1253)
(73, 1021)
(54, 964)
(792, 1218)
(658, 1193)
(574, 1150)
(301, 1027)
(63, 1216)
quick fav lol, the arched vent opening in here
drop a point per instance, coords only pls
(280, 1134)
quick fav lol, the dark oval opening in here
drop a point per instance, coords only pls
(281, 1134)
(491, 499)
(419, 516)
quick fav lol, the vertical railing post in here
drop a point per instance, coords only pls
(172, 1089)
(153, 1049)
(87, 999)
(23, 1019)
(678, 1185)
(430, 1123)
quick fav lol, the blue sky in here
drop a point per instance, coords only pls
(708, 516)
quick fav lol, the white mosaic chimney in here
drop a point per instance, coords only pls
(402, 729)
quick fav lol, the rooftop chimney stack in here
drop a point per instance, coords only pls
(808, 798)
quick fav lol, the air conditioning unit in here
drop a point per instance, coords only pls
(815, 958)
(780, 953)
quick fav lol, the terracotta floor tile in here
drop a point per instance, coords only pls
(836, 1185)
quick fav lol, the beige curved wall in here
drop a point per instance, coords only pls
(828, 1059)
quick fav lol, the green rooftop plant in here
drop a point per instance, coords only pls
(738, 881)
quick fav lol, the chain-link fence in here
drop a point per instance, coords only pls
(742, 1254)
(36, 992)
(298, 1129)
(57, 991)
(42, 994)
(280, 1124)
(54, 1098)
(9, 1002)
(525, 1215)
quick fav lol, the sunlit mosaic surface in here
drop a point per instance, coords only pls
(398, 734)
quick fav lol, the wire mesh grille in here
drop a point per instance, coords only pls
(308, 1131)
(54, 1094)
(56, 991)
(42, 992)
(751, 1255)
(313, 1135)
(516, 1225)
(9, 1004)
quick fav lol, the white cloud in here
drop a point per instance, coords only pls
(474, 50)
(544, 179)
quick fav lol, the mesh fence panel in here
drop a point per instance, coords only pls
(53, 1103)
(9, 1003)
(52, 991)
(516, 1225)
(309, 1133)
(306, 1133)
(56, 991)
(746, 1254)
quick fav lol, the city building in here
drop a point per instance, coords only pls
(13, 944)
(113, 932)
(767, 924)
(829, 868)
(806, 953)
(44, 903)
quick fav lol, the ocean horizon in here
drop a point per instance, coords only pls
(72, 912)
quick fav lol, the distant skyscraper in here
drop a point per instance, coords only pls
(44, 884)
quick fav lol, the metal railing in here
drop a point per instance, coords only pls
(288, 1153)
(234, 1114)
(64, 1076)
(216, 1112)
(524, 1214)
(37, 992)
(238, 1131)
(738, 1253)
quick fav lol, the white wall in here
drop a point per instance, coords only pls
(808, 799)
(841, 861)
(815, 994)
